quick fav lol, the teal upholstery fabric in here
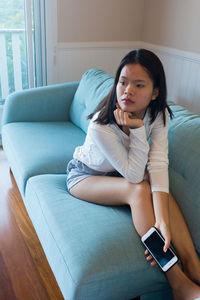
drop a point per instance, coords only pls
(160, 295)
(40, 104)
(94, 250)
(184, 166)
(34, 148)
(94, 86)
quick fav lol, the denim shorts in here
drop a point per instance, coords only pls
(77, 171)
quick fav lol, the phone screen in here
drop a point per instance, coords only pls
(155, 245)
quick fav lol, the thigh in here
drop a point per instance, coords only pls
(105, 190)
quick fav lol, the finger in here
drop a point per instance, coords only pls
(116, 114)
(149, 257)
(117, 105)
(167, 244)
(126, 118)
(153, 263)
(146, 252)
(121, 117)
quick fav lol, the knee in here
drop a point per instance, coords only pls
(143, 191)
(139, 193)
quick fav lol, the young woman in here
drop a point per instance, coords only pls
(116, 155)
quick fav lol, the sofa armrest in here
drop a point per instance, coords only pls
(49, 103)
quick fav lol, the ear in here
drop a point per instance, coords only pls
(155, 94)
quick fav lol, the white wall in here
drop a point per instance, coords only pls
(172, 23)
(99, 20)
(83, 35)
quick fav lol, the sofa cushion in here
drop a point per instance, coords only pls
(93, 250)
(164, 295)
(184, 166)
(94, 86)
(34, 148)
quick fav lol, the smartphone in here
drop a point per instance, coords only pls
(154, 242)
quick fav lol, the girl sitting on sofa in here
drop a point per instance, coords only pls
(117, 166)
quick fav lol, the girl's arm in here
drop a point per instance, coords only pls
(131, 162)
(161, 210)
(159, 179)
(158, 161)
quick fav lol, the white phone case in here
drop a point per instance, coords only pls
(170, 264)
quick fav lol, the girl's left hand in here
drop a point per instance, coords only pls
(149, 257)
(128, 119)
(165, 231)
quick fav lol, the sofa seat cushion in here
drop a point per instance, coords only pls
(164, 295)
(95, 84)
(34, 148)
(93, 250)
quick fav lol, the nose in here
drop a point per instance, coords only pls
(129, 90)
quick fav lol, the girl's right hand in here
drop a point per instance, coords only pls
(128, 119)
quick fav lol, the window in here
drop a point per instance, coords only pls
(22, 45)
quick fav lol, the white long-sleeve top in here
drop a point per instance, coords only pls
(107, 148)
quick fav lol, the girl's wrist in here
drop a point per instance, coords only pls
(162, 226)
(162, 223)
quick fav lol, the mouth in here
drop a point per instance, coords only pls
(127, 101)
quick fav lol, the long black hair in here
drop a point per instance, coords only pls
(154, 68)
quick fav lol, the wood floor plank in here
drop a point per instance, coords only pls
(23, 261)
(33, 243)
(24, 276)
(6, 288)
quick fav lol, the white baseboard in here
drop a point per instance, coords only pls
(182, 68)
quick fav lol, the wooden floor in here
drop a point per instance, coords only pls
(24, 271)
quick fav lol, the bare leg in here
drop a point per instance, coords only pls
(182, 287)
(118, 191)
(183, 243)
(107, 190)
(103, 190)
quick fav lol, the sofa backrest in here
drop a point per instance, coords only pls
(184, 144)
(184, 166)
(93, 87)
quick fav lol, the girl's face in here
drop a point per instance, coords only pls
(135, 89)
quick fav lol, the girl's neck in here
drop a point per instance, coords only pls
(126, 130)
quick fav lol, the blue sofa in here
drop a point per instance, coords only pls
(94, 251)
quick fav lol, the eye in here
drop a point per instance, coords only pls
(139, 85)
(122, 82)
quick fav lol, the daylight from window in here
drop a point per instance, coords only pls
(13, 61)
